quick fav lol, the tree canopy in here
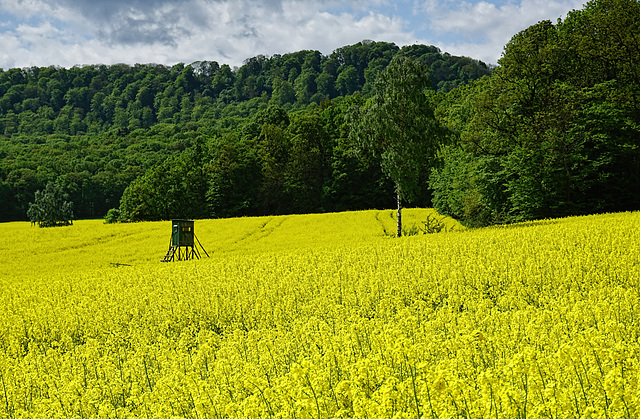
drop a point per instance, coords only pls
(51, 207)
(96, 129)
(554, 131)
(399, 127)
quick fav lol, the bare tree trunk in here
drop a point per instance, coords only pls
(399, 216)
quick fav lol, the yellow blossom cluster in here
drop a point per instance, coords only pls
(319, 316)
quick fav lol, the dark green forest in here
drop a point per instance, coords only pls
(553, 130)
(201, 140)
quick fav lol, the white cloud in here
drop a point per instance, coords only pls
(480, 30)
(226, 31)
(70, 32)
(483, 17)
(25, 8)
(314, 29)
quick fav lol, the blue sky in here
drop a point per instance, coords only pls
(77, 32)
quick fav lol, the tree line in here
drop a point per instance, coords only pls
(95, 129)
(553, 130)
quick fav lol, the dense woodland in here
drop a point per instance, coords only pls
(192, 136)
(553, 130)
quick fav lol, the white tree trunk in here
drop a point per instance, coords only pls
(399, 216)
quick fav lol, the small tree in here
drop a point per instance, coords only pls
(51, 207)
(398, 125)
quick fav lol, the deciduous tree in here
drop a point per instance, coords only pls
(398, 124)
(51, 207)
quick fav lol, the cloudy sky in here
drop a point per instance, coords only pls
(75, 32)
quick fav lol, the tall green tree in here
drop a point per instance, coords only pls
(398, 124)
(554, 131)
(307, 166)
(173, 189)
(234, 178)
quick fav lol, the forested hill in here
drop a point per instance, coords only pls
(95, 129)
(553, 131)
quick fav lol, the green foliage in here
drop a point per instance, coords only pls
(113, 216)
(431, 225)
(398, 125)
(435, 224)
(553, 132)
(98, 128)
(234, 178)
(51, 207)
(173, 189)
(307, 166)
(458, 187)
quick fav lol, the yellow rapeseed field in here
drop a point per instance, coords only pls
(317, 316)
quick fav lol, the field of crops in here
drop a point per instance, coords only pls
(318, 316)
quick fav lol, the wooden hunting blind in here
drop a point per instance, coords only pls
(183, 242)
(182, 233)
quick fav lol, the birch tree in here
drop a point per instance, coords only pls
(397, 124)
